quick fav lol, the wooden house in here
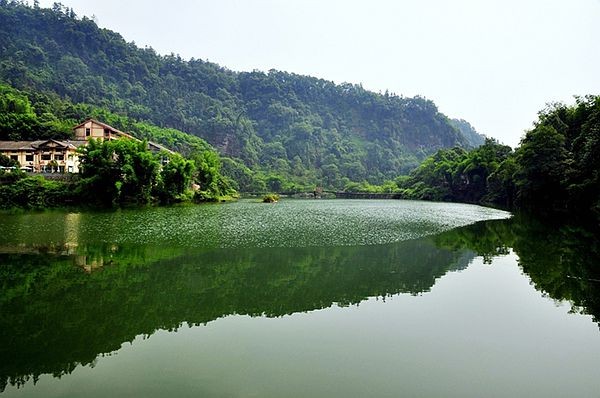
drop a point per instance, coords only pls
(92, 128)
(44, 156)
(61, 156)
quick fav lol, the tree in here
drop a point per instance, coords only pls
(119, 171)
(5, 161)
(176, 177)
(543, 165)
(501, 184)
(101, 176)
(208, 166)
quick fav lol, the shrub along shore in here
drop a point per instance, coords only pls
(117, 173)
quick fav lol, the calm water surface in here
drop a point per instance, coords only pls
(298, 299)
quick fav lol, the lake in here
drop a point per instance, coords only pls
(303, 298)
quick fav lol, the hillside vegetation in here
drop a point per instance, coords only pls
(288, 129)
(115, 173)
(555, 170)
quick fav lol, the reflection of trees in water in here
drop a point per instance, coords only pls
(563, 262)
(56, 316)
(61, 307)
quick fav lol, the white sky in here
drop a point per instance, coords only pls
(493, 63)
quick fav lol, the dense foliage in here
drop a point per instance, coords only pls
(20, 120)
(455, 174)
(39, 116)
(559, 160)
(120, 171)
(291, 130)
(556, 169)
(34, 192)
(113, 173)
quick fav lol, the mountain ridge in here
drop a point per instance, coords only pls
(278, 124)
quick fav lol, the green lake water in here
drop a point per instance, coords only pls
(303, 298)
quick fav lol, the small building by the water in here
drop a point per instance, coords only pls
(44, 156)
(61, 156)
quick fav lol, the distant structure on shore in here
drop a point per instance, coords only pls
(61, 156)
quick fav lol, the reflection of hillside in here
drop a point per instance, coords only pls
(562, 261)
(56, 316)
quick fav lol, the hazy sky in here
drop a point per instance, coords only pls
(493, 63)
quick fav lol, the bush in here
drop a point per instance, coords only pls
(35, 193)
(270, 198)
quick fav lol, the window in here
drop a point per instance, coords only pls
(70, 157)
(46, 156)
(87, 132)
(14, 157)
(106, 132)
(59, 157)
(29, 158)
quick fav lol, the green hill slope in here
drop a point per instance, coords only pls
(301, 128)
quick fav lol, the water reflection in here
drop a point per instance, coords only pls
(561, 261)
(63, 305)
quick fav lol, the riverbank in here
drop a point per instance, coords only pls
(27, 192)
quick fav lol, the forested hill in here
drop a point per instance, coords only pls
(301, 128)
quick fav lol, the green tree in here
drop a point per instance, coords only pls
(543, 163)
(501, 184)
(101, 178)
(119, 171)
(176, 177)
(5, 161)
